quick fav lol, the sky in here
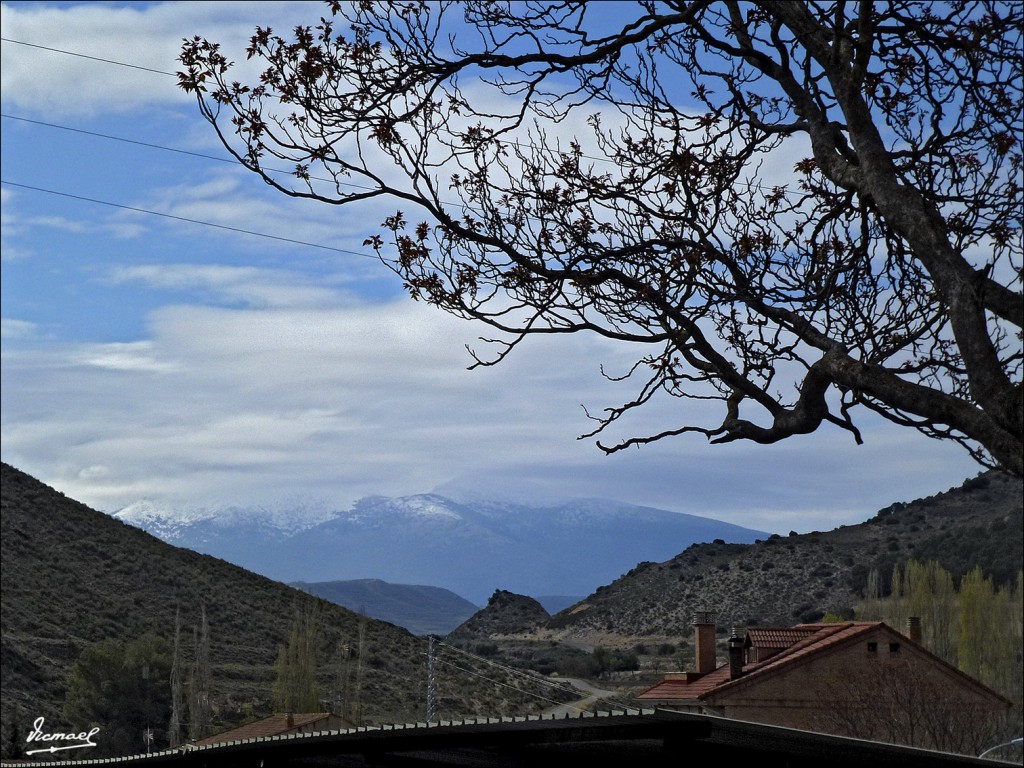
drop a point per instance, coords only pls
(177, 333)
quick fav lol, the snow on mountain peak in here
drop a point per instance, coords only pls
(146, 512)
(427, 506)
(161, 518)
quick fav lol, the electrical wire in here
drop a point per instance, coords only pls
(147, 144)
(505, 685)
(185, 219)
(749, 184)
(86, 56)
(532, 677)
(508, 669)
(150, 145)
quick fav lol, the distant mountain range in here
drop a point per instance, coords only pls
(73, 576)
(422, 610)
(471, 549)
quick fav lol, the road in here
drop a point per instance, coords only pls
(575, 707)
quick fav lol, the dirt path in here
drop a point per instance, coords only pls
(575, 707)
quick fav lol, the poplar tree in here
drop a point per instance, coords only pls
(199, 681)
(174, 726)
(296, 688)
(931, 596)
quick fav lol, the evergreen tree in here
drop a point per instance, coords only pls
(123, 689)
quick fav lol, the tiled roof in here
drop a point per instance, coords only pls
(809, 640)
(814, 638)
(805, 640)
(680, 690)
(268, 726)
(771, 637)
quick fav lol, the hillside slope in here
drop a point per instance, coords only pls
(73, 576)
(785, 580)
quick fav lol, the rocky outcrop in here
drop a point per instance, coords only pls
(506, 613)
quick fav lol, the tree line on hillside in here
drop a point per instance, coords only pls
(150, 694)
(976, 625)
(146, 694)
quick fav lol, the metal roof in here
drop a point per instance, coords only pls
(651, 738)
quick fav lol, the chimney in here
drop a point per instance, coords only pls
(735, 655)
(704, 641)
(914, 628)
(289, 720)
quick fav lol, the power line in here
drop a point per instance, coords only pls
(86, 56)
(174, 74)
(150, 145)
(146, 144)
(505, 685)
(193, 154)
(531, 677)
(185, 219)
(510, 670)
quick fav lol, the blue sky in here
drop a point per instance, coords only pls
(151, 357)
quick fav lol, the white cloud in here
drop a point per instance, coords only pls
(11, 328)
(240, 207)
(257, 406)
(129, 357)
(355, 398)
(38, 80)
(250, 286)
(297, 387)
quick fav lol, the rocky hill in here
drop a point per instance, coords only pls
(73, 576)
(785, 580)
(505, 614)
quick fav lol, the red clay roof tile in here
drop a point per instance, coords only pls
(275, 725)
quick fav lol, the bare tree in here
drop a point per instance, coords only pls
(904, 703)
(174, 725)
(883, 274)
(199, 680)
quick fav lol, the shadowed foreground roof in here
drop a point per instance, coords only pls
(274, 725)
(655, 738)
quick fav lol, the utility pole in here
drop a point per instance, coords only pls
(431, 687)
(147, 734)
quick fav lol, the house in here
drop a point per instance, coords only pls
(279, 725)
(861, 679)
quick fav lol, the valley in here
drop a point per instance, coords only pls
(73, 577)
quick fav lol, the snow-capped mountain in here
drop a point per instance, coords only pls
(186, 526)
(469, 548)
